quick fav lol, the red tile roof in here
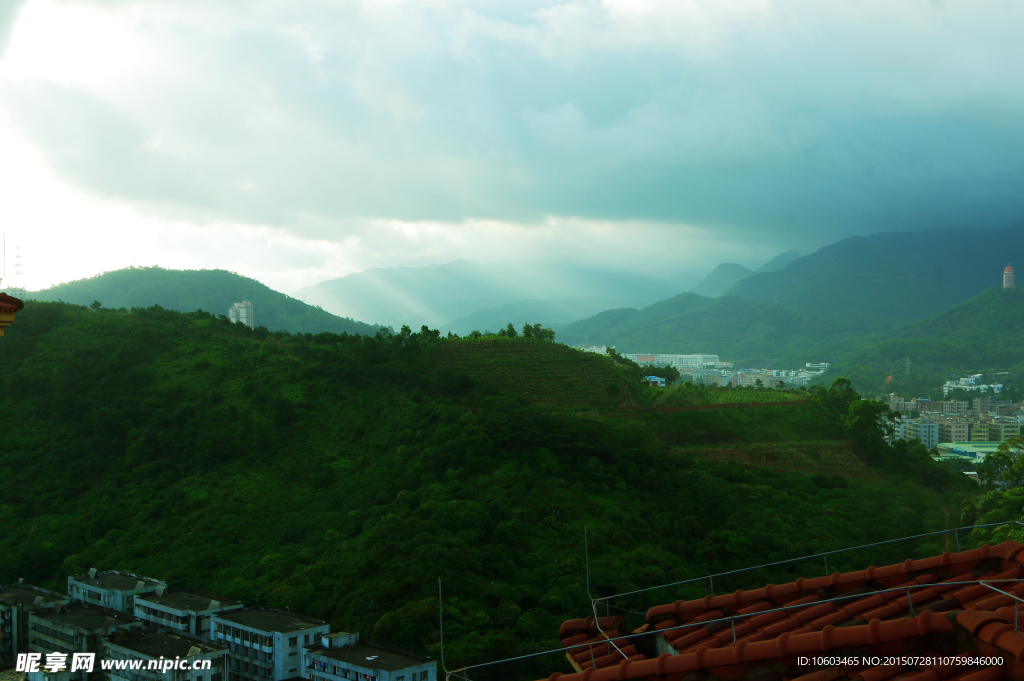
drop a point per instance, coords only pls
(10, 303)
(931, 607)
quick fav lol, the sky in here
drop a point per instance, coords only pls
(301, 141)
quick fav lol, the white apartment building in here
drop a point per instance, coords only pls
(73, 629)
(186, 611)
(111, 589)
(242, 313)
(16, 602)
(926, 431)
(341, 657)
(697, 361)
(152, 646)
(263, 643)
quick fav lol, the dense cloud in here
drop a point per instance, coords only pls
(783, 122)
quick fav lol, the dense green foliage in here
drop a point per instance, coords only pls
(341, 475)
(750, 334)
(211, 290)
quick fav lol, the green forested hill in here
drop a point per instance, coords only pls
(211, 290)
(905, 276)
(981, 335)
(340, 476)
(750, 334)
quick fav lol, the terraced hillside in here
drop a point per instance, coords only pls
(539, 371)
(812, 457)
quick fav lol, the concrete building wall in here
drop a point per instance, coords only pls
(256, 654)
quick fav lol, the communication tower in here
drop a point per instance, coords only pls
(18, 288)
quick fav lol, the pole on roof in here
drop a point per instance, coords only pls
(911, 602)
(711, 579)
(732, 621)
(586, 555)
(440, 615)
(826, 564)
(956, 533)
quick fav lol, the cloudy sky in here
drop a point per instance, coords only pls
(301, 140)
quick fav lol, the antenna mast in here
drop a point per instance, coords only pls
(18, 290)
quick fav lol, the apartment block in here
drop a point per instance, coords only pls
(897, 403)
(925, 431)
(150, 647)
(16, 602)
(979, 432)
(111, 589)
(183, 610)
(954, 431)
(999, 431)
(341, 657)
(242, 313)
(264, 643)
(958, 407)
(980, 406)
(74, 628)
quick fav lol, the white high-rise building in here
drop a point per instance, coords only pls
(242, 313)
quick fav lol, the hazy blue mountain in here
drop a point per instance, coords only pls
(778, 262)
(437, 294)
(906, 275)
(547, 312)
(720, 279)
(749, 334)
(211, 290)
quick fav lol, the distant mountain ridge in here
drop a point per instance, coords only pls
(905, 275)
(741, 331)
(210, 290)
(720, 279)
(778, 262)
(438, 294)
(555, 312)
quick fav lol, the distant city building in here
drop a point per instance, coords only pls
(1000, 431)
(697, 361)
(970, 383)
(598, 349)
(241, 313)
(925, 431)
(819, 367)
(1008, 277)
(656, 381)
(341, 657)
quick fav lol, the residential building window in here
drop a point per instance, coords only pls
(423, 676)
(305, 639)
(294, 640)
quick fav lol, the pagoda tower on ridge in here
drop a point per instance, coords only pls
(1008, 277)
